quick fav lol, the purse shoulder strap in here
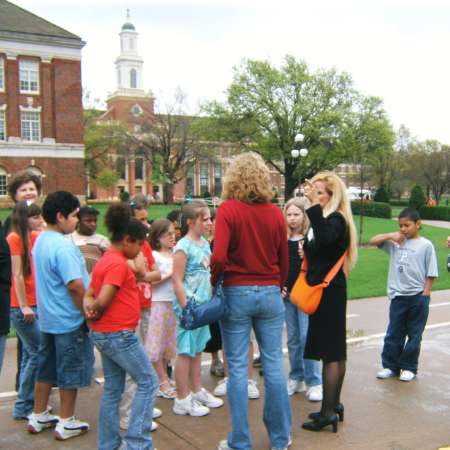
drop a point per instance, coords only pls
(334, 270)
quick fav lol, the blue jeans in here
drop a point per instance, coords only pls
(30, 336)
(123, 354)
(407, 318)
(307, 370)
(2, 349)
(261, 307)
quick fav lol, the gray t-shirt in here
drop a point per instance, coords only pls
(412, 262)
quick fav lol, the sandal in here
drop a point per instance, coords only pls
(170, 392)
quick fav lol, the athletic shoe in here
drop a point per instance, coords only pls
(189, 407)
(123, 425)
(42, 421)
(27, 417)
(69, 428)
(315, 393)
(221, 388)
(223, 445)
(157, 413)
(252, 389)
(217, 369)
(207, 399)
(294, 386)
(407, 375)
(289, 444)
(385, 373)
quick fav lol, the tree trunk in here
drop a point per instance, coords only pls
(168, 193)
(290, 180)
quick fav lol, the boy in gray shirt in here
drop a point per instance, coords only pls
(412, 270)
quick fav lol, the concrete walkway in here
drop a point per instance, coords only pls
(379, 414)
(437, 223)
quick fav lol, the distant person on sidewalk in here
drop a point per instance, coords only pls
(412, 270)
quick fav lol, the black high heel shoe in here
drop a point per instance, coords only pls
(321, 422)
(339, 410)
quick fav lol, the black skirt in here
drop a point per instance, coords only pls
(215, 343)
(326, 339)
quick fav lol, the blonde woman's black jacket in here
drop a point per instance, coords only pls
(5, 283)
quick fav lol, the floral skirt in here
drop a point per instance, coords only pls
(161, 334)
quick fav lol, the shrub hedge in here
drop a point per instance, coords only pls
(435, 212)
(372, 209)
(404, 203)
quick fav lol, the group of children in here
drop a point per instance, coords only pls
(72, 288)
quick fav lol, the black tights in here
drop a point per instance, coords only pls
(332, 378)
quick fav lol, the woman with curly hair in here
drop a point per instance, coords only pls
(250, 253)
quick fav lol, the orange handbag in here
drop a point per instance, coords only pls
(307, 297)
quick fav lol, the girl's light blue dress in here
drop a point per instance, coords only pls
(196, 284)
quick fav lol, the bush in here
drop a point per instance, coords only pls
(372, 209)
(381, 195)
(417, 198)
(124, 196)
(399, 202)
(435, 212)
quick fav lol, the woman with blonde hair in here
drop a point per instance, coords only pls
(332, 234)
(250, 253)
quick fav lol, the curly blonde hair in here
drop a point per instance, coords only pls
(248, 179)
(339, 202)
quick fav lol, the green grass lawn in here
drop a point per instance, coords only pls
(369, 277)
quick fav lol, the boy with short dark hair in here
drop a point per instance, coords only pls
(65, 353)
(412, 270)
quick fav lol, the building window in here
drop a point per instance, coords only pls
(190, 180)
(29, 76)
(30, 122)
(139, 169)
(3, 182)
(121, 168)
(2, 74)
(2, 126)
(133, 79)
(204, 175)
(217, 178)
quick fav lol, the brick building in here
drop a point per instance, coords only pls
(41, 115)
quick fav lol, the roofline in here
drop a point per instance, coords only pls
(37, 38)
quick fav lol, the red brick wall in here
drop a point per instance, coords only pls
(60, 173)
(12, 93)
(68, 109)
(48, 120)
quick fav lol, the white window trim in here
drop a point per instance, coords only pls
(28, 92)
(2, 70)
(34, 110)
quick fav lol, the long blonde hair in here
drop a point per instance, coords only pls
(339, 202)
(301, 203)
(248, 179)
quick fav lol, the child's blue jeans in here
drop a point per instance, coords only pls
(407, 318)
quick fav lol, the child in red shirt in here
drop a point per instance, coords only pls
(112, 303)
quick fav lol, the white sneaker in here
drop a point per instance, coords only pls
(385, 373)
(221, 388)
(223, 445)
(289, 444)
(253, 391)
(123, 425)
(157, 413)
(207, 399)
(407, 375)
(315, 393)
(189, 407)
(40, 422)
(69, 428)
(294, 386)
(154, 426)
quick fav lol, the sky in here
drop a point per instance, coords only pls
(393, 49)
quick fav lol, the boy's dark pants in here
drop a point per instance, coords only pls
(407, 318)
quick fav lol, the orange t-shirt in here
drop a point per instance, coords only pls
(16, 249)
(124, 311)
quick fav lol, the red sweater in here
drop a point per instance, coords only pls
(250, 244)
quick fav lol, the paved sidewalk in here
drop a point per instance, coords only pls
(379, 414)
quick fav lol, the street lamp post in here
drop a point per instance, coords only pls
(302, 152)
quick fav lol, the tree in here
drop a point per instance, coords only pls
(381, 195)
(417, 198)
(107, 178)
(267, 107)
(172, 141)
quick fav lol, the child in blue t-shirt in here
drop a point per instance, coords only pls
(61, 280)
(412, 270)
